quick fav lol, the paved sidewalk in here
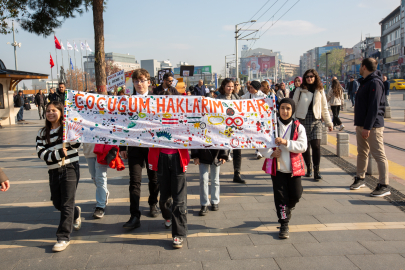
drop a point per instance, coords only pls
(331, 227)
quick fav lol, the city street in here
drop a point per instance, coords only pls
(332, 227)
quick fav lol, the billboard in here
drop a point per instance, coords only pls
(323, 50)
(197, 70)
(257, 64)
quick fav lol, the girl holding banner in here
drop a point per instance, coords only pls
(286, 177)
(63, 168)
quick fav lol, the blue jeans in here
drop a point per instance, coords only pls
(352, 98)
(98, 173)
(207, 172)
(20, 113)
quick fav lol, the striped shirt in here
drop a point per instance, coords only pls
(53, 153)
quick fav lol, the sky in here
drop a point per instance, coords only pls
(202, 32)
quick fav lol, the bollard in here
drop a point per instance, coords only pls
(324, 140)
(344, 106)
(342, 144)
(372, 168)
(387, 112)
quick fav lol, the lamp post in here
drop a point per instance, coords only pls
(226, 62)
(327, 81)
(15, 45)
(236, 41)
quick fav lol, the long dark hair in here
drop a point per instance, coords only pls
(46, 131)
(317, 82)
(336, 87)
(223, 84)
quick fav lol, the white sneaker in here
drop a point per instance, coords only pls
(60, 246)
(177, 242)
(342, 127)
(77, 223)
(168, 223)
(258, 155)
(106, 200)
(230, 157)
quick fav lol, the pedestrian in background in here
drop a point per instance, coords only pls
(64, 172)
(352, 87)
(199, 89)
(387, 91)
(369, 121)
(209, 161)
(311, 107)
(40, 102)
(4, 181)
(59, 95)
(166, 87)
(51, 95)
(282, 92)
(265, 88)
(336, 100)
(297, 83)
(292, 142)
(19, 103)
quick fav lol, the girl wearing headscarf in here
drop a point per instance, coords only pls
(286, 177)
(297, 83)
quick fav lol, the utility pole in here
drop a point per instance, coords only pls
(15, 45)
(327, 81)
(236, 43)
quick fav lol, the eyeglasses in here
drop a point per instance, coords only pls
(236, 84)
(169, 81)
(140, 82)
(309, 76)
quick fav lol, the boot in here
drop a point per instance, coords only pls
(309, 170)
(317, 175)
(237, 178)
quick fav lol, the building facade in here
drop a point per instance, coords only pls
(41, 84)
(391, 45)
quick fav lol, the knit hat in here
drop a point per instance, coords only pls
(256, 85)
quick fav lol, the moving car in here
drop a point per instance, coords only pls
(397, 84)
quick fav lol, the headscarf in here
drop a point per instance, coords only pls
(292, 103)
(298, 78)
(256, 85)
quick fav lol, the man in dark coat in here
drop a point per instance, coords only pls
(369, 122)
(19, 103)
(387, 90)
(40, 102)
(166, 87)
(199, 89)
(59, 95)
(352, 87)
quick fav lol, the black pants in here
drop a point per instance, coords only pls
(237, 159)
(135, 163)
(316, 152)
(63, 184)
(335, 111)
(41, 108)
(173, 192)
(287, 193)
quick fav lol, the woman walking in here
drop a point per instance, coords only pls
(311, 107)
(297, 83)
(63, 175)
(335, 99)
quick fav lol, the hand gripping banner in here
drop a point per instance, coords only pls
(169, 121)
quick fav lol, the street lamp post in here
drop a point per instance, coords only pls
(226, 62)
(236, 44)
(15, 45)
(327, 81)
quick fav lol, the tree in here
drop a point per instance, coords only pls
(42, 17)
(335, 60)
(111, 68)
(75, 80)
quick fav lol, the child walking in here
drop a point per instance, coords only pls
(63, 180)
(209, 161)
(287, 177)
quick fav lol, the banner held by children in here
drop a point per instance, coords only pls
(116, 79)
(191, 122)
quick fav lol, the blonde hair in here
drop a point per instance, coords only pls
(267, 88)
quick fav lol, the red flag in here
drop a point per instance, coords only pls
(57, 44)
(51, 62)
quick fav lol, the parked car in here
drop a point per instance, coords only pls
(397, 84)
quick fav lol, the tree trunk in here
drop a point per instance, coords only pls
(99, 58)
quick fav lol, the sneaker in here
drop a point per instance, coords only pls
(177, 242)
(284, 230)
(380, 191)
(214, 207)
(358, 183)
(60, 246)
(342, 127)
(203, 211)
(106, 199)
(230, 157)
(154, 211)
(98, 213)
(77, 224)
(259, 156)
(168, 223)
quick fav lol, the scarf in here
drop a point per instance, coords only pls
(292, 103)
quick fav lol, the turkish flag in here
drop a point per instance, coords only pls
(57, 44)
(51, 62)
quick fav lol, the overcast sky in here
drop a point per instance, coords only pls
(202, 32)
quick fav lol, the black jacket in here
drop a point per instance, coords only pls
(37, 99)
(369, 106)
(208, 156)
(58, 96)
(18, 101)
(159, 91)
(387, 88)
(199, 91)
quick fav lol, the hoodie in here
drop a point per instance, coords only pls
(369, 107)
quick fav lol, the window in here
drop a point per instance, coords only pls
(1, 97)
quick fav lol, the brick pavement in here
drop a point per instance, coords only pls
(331, 228)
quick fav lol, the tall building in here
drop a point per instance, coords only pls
(259, 62)
(126, 62)
(391, 45)
(310, 59)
